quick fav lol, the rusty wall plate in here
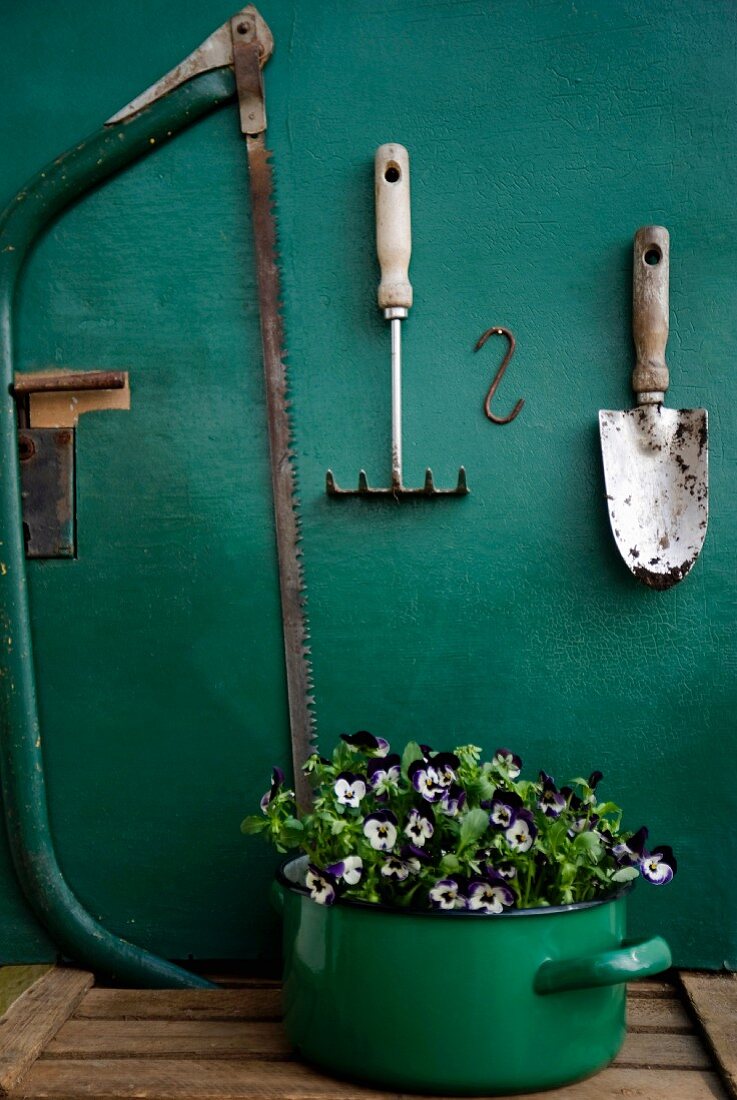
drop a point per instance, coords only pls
(47, 490)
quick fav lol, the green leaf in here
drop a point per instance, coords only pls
(587, 842)
(607, 808)
(485, 788)
(294, 824)
(338, 826)
(450, 863)
(625, 874)
(412, 752)
(568, 873)
(252, 825)
(292, 838)
(474, 825)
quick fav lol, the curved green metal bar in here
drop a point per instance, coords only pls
(72, 928)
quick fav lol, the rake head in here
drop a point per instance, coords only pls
(397, 489)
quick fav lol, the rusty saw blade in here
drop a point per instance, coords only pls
(245, 43)
(251, 47)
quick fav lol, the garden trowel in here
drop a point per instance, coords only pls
(655, 459)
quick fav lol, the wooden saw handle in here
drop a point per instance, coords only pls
(651, 265)
(393, 228)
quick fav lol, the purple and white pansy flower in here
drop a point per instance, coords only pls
(380, 829)
(396, 868)
(277, 780)
(322, 885)
(350, 789)
(659, 866)
(503, 808)
(501, 872)
(445, 765)
(414, 857)
(509, 761)
(520, 836)
(408, 862)
(453, 800)
(348, 870)
(489, 897)
(631, 851)
(425, 780)
(605, 836)
(446, 894)
(365, 742)
(579, 824)
(383, 774)
(552, 802)
(420, 825)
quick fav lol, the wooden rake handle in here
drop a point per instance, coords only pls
(393, 227)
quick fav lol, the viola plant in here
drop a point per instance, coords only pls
(447, 831)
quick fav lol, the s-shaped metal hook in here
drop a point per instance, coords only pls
(498, 331)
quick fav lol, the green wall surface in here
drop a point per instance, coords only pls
(541, 135)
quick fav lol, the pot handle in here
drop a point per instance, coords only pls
(634, 959)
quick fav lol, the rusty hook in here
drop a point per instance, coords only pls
(498, 331)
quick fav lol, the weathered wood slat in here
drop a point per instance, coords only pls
(644, 1050)
(163, 1079)
(261, 1003)
(658, 1014)
(651, 989)
(713, 998)
(34, 1019)
(241, 1039)
(169, 1038)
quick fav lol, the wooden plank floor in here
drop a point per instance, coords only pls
(64, 1039)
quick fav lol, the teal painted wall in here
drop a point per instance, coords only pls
(541, 137)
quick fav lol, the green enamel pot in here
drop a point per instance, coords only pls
(455, 1002)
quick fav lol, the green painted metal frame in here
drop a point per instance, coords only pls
(73, 929)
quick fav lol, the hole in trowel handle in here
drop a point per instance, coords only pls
(392, 173)
(653, 255)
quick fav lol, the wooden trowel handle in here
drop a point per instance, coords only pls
(650, 313)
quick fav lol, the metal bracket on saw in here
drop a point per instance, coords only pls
(230, 45)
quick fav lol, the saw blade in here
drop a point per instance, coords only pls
(291, 579)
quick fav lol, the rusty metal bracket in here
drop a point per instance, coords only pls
(47, 487)
(63, 381)
(229, 46)
(48, 461)
(248, 57)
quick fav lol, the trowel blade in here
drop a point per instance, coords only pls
(656, 470)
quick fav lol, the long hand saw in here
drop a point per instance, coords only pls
(245, 44)
(227, 65)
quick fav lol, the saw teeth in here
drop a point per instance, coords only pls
(300, 683)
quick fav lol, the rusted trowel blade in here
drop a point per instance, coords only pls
(657, 477)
